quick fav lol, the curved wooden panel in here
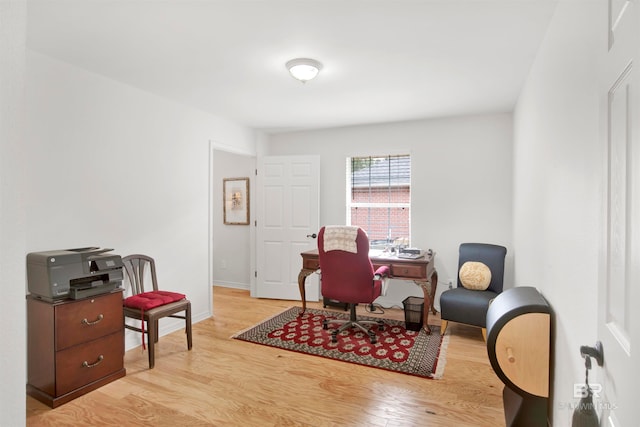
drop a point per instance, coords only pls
(522, 352)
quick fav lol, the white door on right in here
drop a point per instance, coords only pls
(618, 299)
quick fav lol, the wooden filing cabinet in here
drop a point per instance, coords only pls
(73, 346)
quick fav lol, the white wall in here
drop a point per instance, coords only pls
(232, 244)
(112, 166)
(86, 134)
(13, 355)
(461, 181)
(557, 186)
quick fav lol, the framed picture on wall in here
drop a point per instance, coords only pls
(235, 194)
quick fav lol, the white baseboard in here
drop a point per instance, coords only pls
(133, 339)
(234, 285)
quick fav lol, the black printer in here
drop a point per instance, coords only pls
(73, 273)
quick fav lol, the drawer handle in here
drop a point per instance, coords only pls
(86, 364)
(98, 320)
(510, 357)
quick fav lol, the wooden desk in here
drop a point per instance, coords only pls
(421, 271)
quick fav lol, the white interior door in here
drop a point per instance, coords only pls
(618, 316)
(287, 222)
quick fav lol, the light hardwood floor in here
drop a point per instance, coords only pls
(226, 382)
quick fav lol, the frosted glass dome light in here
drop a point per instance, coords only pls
(304, 69)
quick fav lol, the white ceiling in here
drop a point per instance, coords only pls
(384, 60)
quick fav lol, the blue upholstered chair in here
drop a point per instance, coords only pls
(464, 304)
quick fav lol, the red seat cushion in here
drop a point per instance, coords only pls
(149, 300)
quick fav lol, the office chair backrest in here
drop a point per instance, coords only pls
(139, 268)
(491, 255)
(346, 276)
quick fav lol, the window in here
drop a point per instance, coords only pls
(379, 198)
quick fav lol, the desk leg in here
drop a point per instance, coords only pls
(429, 291)
(434, 286)
(425, 285)
(302, 278)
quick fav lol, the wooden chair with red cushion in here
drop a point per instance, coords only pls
(149, 306)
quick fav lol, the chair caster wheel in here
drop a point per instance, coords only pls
(334, 338)
(325, 326)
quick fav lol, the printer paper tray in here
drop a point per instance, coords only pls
(79, 293)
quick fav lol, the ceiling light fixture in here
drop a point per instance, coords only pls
(304, 69)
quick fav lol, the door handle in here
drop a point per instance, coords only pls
(313, 236)
(596, 352)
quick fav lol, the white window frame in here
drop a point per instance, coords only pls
(350, 204)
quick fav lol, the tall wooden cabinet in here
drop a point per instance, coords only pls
(73, 346)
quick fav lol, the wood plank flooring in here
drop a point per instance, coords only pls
(227, 382)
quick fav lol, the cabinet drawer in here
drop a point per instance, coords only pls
(409, 271)
(88, 319)
(80, 365)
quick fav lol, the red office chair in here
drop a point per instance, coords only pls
(346, 275)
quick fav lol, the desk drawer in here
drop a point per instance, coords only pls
(88, 319)
(311, 264)
(409, 271)
(103, 357)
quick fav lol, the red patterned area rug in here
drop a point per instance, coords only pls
(397, 349)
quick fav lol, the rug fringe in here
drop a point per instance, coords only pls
(262, 321)
(442, 358)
